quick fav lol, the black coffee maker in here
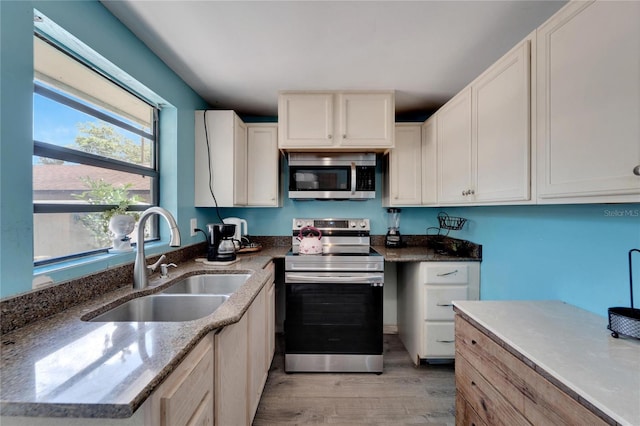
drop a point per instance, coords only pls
(393, 237)
(221, 246)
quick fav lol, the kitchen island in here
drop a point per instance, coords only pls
(543, 360)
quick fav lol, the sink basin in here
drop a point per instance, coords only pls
(224, 284)
(167, 308)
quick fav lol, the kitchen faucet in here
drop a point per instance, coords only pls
(140, 268)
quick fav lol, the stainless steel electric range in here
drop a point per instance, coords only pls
(334, 300)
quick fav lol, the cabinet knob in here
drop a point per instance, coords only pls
(344, 136)
(636, 170)
(464, 193)
(471, 192)
(330, 136)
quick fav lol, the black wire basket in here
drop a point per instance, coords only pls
(625, 321)
(450, 222)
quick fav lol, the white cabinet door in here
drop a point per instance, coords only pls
(454, 149)
(501, 131)
(366, 119)
(239, 163)
(263, 171)
(588, 97)
(220, 159)
(404, 176)
(429, 162)
(305, 120)
(336, 120)
(231, 380)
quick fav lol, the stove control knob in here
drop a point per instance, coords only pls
(363, 224)
(352, 224)
(298, 224)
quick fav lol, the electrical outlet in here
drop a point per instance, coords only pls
(194, 225)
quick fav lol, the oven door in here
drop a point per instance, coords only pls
(334, 313)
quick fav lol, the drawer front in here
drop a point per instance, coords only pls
(465, 415)
(439, 340)
(438, 306)
(540, 400)
(185, 400)
(446, 274)
(483, 398)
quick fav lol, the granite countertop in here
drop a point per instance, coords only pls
(570, 346)
(62, 366)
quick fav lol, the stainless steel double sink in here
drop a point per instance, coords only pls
(188, 299)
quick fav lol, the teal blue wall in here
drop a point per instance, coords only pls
(575, 253)
(92, 24)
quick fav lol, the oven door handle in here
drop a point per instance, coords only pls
(347, 279)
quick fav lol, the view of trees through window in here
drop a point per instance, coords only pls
(94, 156)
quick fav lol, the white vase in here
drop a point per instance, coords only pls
(121, 225)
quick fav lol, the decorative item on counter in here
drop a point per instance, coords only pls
(446, 223)
(121, 225)
(625, 321)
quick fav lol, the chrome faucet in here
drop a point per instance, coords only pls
(140, 268)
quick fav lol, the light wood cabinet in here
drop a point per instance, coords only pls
(484, 133)
(403, 177)
(425, 311)
(257, 355)
(243, 358)
(231, 374)
(186, 396)
(588, 104)
(263, 165)
(498, 388)
(220, 159)
(336, 120)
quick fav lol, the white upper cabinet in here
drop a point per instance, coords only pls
(263, 165)
(588, 97)
(305, 120)
(453, 123)
(483, 136)
(429, 153)
(501, 136)
(220, 159)
(336, 120)
(403, 180)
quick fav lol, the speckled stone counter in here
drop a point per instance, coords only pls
(63, 366)
(569, 346)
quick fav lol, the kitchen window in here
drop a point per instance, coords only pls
(95, 149)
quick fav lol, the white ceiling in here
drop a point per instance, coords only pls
(239, 54)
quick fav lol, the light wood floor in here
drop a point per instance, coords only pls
(403, 394)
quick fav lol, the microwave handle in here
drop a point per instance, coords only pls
(353, 178)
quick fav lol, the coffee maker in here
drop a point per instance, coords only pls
(221, 247)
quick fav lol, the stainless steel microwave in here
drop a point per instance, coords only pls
(332, 176)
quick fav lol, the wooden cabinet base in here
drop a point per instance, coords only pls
(504, 390)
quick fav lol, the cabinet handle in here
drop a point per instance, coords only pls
(473, 342)
(471, 192)
(344, 136)
(445, 341)
(636, 170)
(448, 273)
(330, 136)
(464, 193)
(444, 304)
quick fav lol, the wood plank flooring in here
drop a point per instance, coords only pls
(402, 395)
